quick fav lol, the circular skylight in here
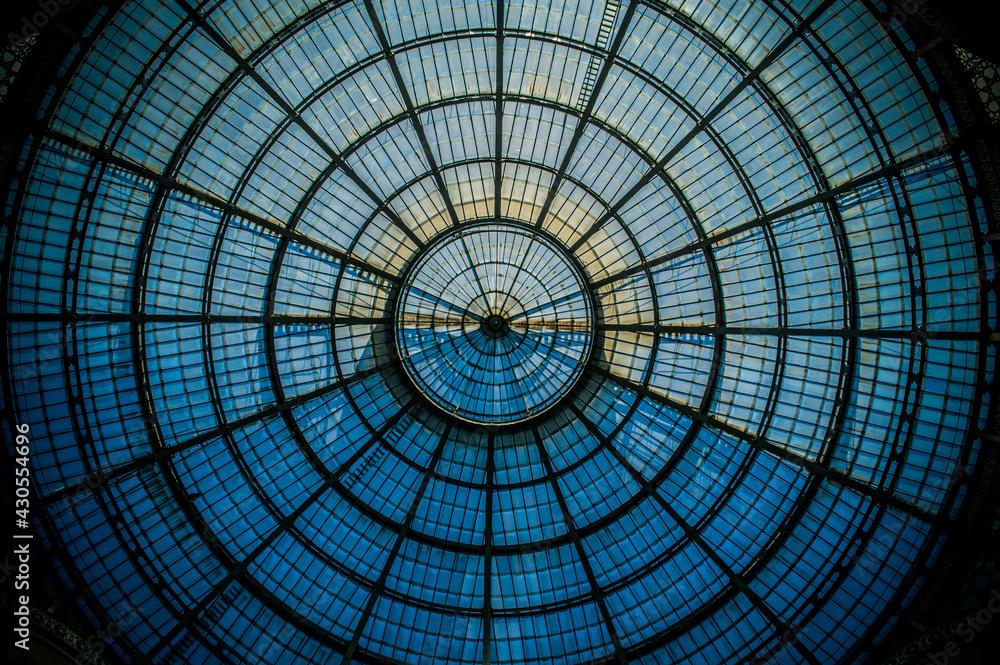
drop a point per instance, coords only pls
(523, 332)
(494, 324)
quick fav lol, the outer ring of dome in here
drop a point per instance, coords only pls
(554, 245)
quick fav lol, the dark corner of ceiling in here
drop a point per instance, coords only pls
(972, 25)
(953, 617)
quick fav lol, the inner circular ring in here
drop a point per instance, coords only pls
(494, 323)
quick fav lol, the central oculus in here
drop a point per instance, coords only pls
(494, 323)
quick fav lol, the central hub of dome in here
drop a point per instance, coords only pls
(495, 326)
(494, 323)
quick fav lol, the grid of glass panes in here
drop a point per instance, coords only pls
(219, 261)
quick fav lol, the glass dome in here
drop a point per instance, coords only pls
(520, 340)
(515, 332)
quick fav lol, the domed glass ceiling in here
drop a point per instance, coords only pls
(516, 332)
(519, 341)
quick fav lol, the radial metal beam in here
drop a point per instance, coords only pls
(430, 297)
(379, 585)
(581, 552)
(100, 477)
(875, 494)
(418, 126)
(201, 21)
(488, 549)
(381, 127)
(239, 568)
(498, 117)
(410, 110)
(221, 205)
(236, 571)
(889, 171)
(747, 80)
(82, 587)
(587, 113)
(735, 579)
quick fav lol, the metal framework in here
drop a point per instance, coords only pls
(209, 254)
